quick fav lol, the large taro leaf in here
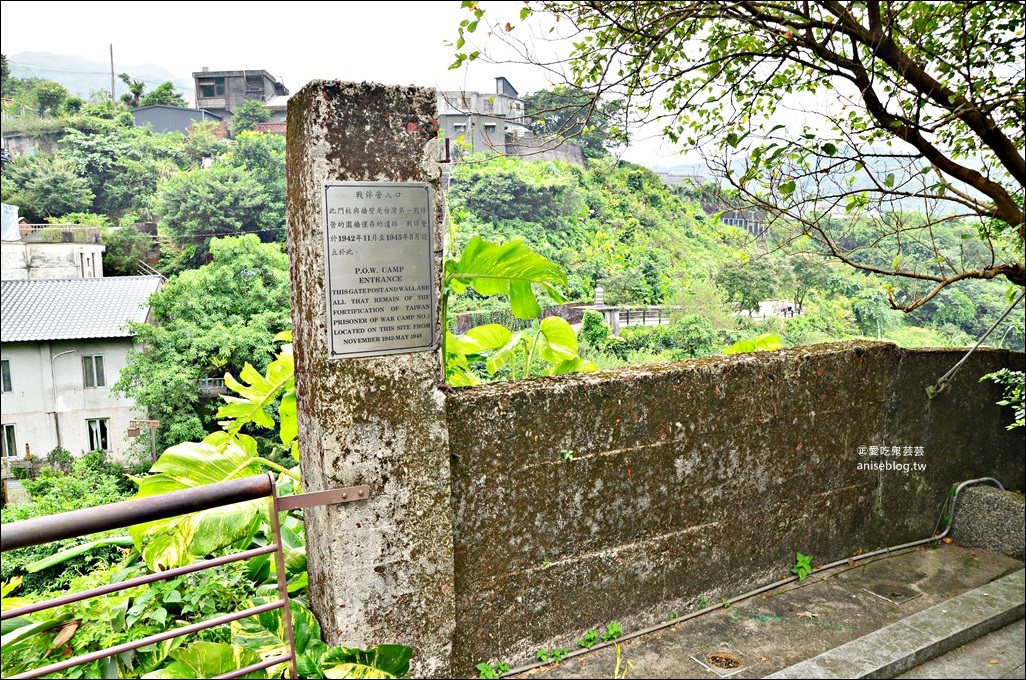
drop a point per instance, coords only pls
(179, 540)
(508, 269)
(208, 660)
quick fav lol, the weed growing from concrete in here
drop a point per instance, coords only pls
(802, 565)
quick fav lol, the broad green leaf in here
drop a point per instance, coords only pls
(764, 343)
(208, 660)
(265, 635)
(481, 339)
(383, 661)
(10, 586)
(787, 188)
(287, 414)
(508, 269)
(502, 356)
(768, 342)
(12, 624)
(889, 180)
(259, 394)
(19, 637)
(575, 365)
(559, 341)
(178, 540)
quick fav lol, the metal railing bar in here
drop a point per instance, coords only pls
(139, 581)
(329, 497)
(239, 672)
(283, 586)
(152, 639)
(136, 511)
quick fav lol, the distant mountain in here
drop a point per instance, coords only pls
(82, 76)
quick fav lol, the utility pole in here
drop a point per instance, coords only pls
(112, 71)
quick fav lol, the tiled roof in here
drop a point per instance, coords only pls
(33, 310)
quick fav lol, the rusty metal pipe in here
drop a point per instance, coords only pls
(136, 511)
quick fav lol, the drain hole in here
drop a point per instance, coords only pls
(723, 660)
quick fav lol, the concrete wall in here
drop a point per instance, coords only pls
(698, 479)
(22, 260)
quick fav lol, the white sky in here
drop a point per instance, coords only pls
(395, 43)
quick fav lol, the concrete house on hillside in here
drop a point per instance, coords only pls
(63, 343)
(222, 92)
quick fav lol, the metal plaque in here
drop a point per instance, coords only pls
(379, 268)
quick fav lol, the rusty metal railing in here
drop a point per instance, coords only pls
(127, 513)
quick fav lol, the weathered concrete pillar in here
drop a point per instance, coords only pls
(381, 570)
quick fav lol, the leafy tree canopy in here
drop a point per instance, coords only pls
(262, 155)
(571, 113)
(204, 204)
(898, 104)
(165, 94)
(44, 186)
(249, 114)
(207, 322)
(49, 97)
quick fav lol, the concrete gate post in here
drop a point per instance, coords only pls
(365, 310)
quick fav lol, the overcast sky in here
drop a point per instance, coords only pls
(395, 43)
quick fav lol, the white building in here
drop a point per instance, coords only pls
(63, 343)
(484, 120)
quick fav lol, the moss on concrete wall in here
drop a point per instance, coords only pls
(698, 479)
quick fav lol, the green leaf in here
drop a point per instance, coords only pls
(65, 555)
(481, 339)
(382, 661)
(830, 149)
(208, 660)
(509, 269)
(787, 188)
(558, 340)
(766, 342)
(889, 180)
(265, 633)
(259, 394)
(178, 540)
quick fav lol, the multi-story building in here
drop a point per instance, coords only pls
(63, 343)
(222, 92)
(483, 121)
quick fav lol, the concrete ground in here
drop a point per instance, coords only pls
(878, 618)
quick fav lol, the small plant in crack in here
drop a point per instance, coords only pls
(702, 602)
(613, 631)
(550, 655)
(568, 454)
(802, 565)
(488, 670)
(589, 639)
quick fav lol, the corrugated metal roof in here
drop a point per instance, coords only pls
(33, 310)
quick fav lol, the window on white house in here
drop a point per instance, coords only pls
(489, 127)
(92, 371)
(99, 434)
(5, 372)
(10, 443)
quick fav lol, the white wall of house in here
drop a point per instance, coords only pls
(49, 403)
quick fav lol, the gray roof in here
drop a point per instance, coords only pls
(33, 310)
